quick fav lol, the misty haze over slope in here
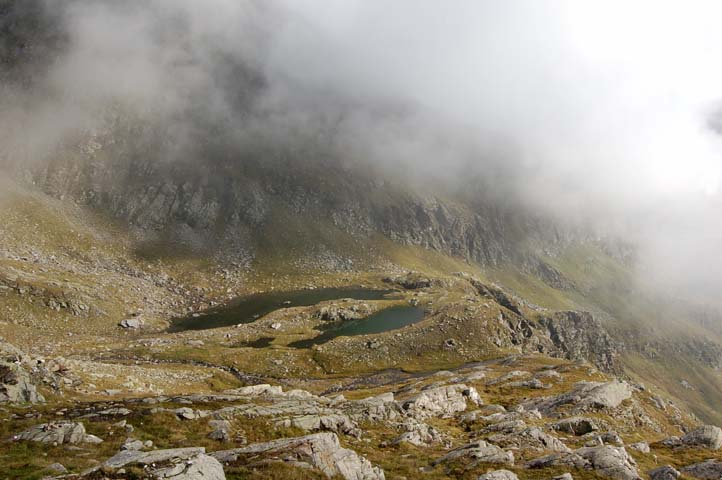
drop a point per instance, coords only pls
(592, 112)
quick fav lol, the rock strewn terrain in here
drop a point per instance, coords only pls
(461, 423)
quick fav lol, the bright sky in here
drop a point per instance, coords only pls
(612, 91)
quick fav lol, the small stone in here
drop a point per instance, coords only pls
(132, 323)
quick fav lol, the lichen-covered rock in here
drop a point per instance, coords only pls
(479, 452)
(57, 433)
(441, 401)
(320, 450)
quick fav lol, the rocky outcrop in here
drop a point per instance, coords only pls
(573, 335)
(321, 451)
(57, 433)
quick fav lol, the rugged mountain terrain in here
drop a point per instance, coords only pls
(538, 352)
(486, 381)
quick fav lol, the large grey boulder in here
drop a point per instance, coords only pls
(479, 452)
(707, 436)
(708, 470)
(666, 472)
(613, 462)
(442, 401)
(57, 433)
(320, 450)
(176, 464)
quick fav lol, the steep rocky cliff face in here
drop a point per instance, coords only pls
(233, 196)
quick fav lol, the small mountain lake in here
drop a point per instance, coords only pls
(249, 309)
(382, 321)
